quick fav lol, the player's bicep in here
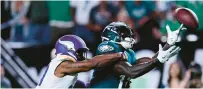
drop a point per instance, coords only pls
(122, 68)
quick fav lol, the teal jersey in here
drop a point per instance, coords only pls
(106, 77)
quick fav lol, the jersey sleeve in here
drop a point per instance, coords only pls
(109, 47)
(130, 56)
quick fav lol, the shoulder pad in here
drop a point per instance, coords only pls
(64, 58)
(105, 48)
(108, 47)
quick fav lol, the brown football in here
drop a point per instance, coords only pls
(187, 17)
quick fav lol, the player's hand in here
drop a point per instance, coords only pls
(124, 55)
(163, 56)
(173, 35)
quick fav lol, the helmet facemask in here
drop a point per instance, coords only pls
(81, 54)
(127, 43)
(126, 38)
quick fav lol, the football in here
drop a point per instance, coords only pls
(187, 17)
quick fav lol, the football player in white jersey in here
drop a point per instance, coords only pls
(71, 59)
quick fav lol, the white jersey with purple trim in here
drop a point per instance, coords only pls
(49, 80)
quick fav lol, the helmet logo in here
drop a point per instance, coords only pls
(111, 28)
(69, 45)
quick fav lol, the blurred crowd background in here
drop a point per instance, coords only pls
(29, 30)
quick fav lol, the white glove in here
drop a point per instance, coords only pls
(163, 56)
(173, 36)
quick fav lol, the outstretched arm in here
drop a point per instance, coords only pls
(145, 64)
(134, 71)
(68, 67)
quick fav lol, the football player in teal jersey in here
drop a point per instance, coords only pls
(118, 37)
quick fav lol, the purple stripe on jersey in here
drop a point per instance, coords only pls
(41, 80)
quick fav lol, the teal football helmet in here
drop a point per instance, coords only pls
(120, 33)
